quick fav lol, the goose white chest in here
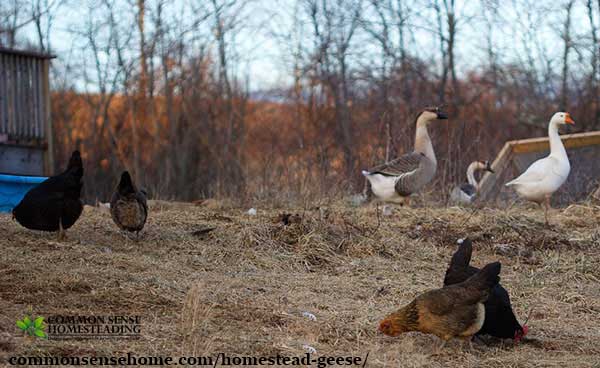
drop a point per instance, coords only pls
(384, 187)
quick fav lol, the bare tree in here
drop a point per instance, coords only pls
(13, 18)
(567, 45)
(334, 25)
(595, 62)
(167, 97)
(43, 13)
(228, 17)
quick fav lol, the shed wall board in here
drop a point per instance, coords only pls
(21, 160)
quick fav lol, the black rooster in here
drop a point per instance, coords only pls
(55, 203)
(500, 321)
(128, 206)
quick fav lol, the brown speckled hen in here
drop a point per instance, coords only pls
(54, 204)
(454, 311)
(128, 206)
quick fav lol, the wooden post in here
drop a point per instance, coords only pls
(39, 69)
(49, 156)
(3, 97)
(11, 82)
(19, 97)
(489, 180)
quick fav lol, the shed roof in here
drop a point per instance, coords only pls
(27, 53)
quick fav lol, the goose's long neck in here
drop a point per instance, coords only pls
(556, 146)
(471, 174)
(423, 142)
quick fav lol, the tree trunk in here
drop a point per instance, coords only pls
(566, 36)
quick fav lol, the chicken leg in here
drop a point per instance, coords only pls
(546, 209)
(438, 350)
(61, 231)
(468, 340)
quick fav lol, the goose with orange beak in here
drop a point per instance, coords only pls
(546, 175)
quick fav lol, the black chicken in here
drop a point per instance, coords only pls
(500, 321)
(128, 206)
(55, 203)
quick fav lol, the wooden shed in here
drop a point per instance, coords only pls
(25, 124)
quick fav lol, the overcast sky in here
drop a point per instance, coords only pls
(262, 46)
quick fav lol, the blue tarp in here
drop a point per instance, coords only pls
(14, 187)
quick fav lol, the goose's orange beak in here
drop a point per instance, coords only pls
(568, 120)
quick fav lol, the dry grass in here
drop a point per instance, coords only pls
(243, 287)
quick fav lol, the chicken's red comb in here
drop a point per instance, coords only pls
(519, 335)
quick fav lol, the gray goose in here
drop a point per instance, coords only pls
(466, 192)
(128, 207)
(396, 180)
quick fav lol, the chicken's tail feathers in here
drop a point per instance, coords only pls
(75, 166)
(125, 184)
(75, 160)
(511, 183)
(487, 277)
(462, 256)
(365, 173)
(459, 263)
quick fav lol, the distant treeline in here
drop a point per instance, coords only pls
(166, 98)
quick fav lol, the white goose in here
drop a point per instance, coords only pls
(395, 180)
(466, 192)
(546, 175)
